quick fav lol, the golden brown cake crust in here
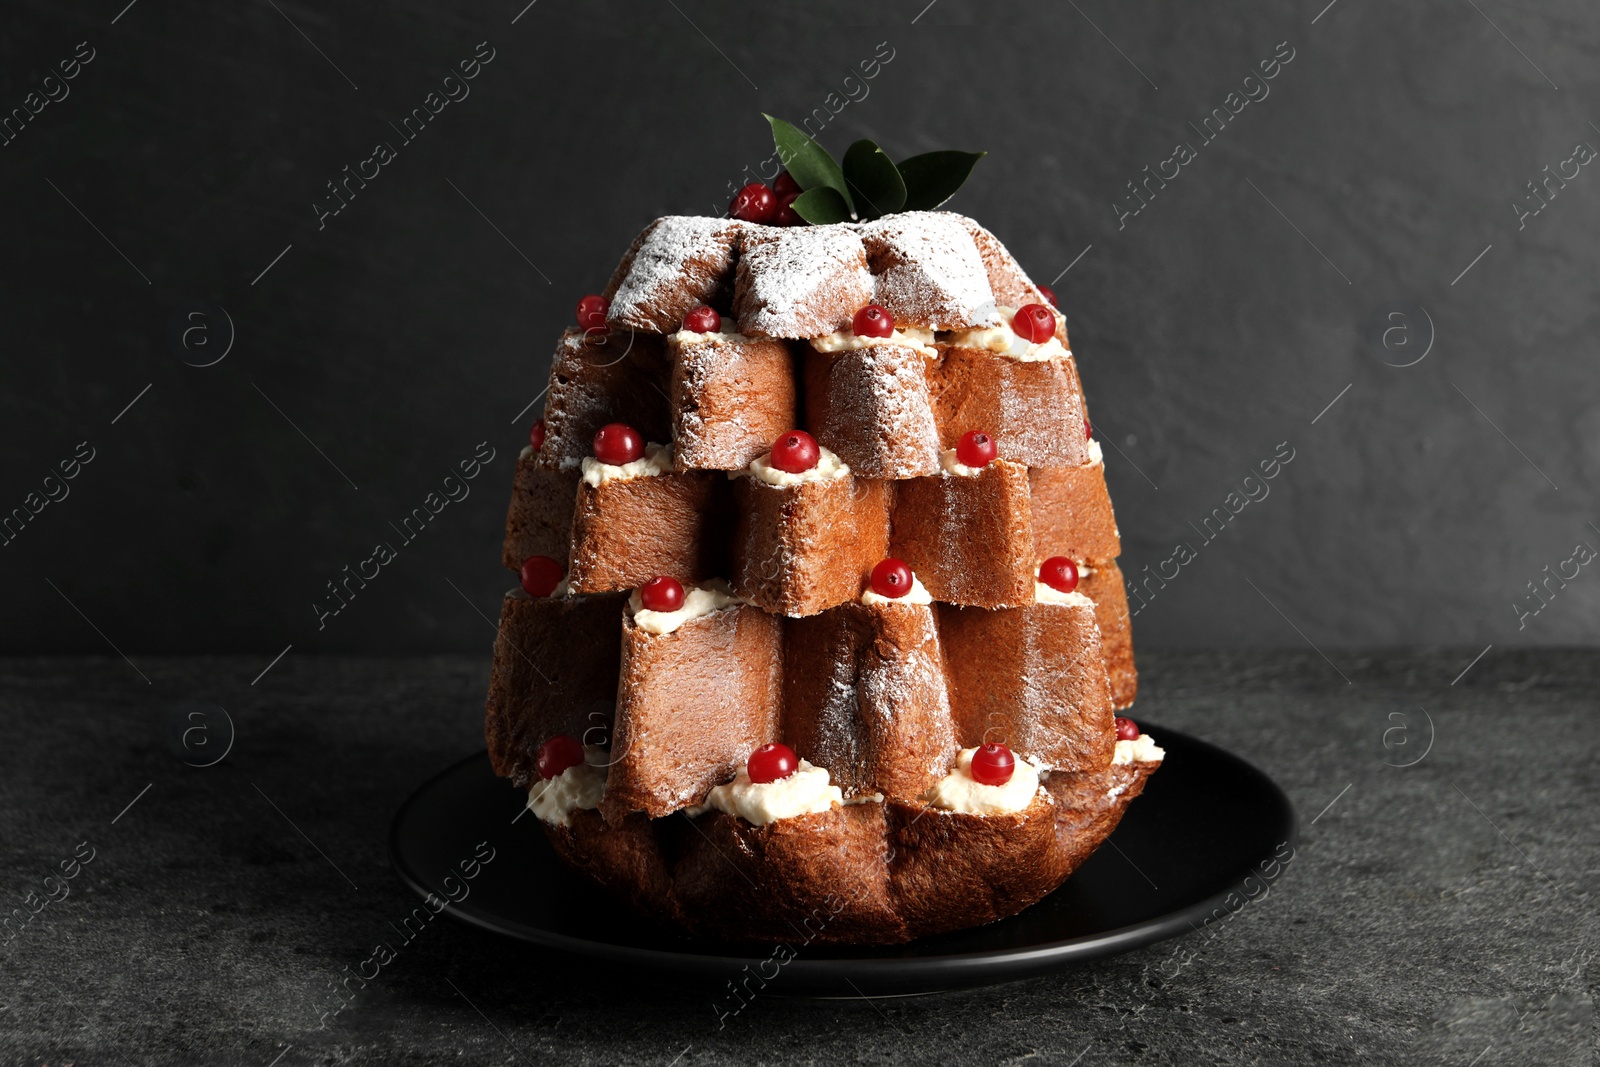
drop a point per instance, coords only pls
(679, 263)
(881, 696)
(800, 281)
(539, 519)
(731, 398)
(865, 697)
(1072, 513)
(969, 538)
(1033, 410)
(1032, 678)
(628, 530)
(1103, 585)
(798, 550)
(620, 376)
(872, 407)
(691, 707)
(859, 874)
(555, 672)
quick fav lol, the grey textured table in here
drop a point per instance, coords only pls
(1434, 913)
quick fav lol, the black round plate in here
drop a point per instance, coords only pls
(1209, 832)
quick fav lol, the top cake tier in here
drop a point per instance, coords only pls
(931, 269)
(783, 353)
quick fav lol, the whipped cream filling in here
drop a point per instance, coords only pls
(657, 459)
(807, 791)
(1143, 750)
(1096, 455)
(1005, 341)
(829, 467)
(581, 787)
(698, 601)
(906, 336)
(959, 791)
(1049, 594)
(916, 595)
(952, 465)
(728, 331)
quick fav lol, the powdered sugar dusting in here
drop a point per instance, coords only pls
(905, 707)
(803, 281)
(682, 261)
(615, 282)
(876, 412)
(928, 271)
(1007, 280)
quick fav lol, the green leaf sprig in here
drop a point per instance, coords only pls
(869, 184)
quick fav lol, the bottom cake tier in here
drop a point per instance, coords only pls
(868, 872)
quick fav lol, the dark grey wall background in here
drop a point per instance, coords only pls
(377, 352)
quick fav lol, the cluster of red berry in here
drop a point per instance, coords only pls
(771, 205)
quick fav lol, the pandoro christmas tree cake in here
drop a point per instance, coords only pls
(819, 610)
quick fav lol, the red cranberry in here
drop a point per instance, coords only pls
(785, 186)
(795, 452)
(1127, 729)
(873, 321)
(661, 594)
(702, 320)
(558, 754)
(540, 575)
(1049, 294)
(1034, 322)
(785, 214)
(771, 763)
(1088, 431)
(536, 435)
(1060, 573)
(976, 449)
(891, 578)
(753, 203)
(592, 313)
(993, 764)
(617, 443)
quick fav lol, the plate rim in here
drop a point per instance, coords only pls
(972, 966)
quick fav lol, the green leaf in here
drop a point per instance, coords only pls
(821, 205)
(808, 162)
(933, 177)
(875, 184)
